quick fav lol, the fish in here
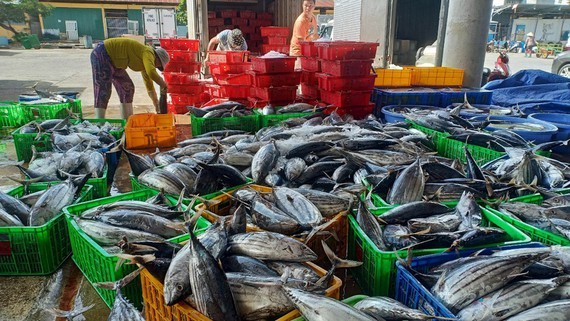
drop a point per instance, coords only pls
(122, 310)
(409, 186)
(370, 226)
(383, 308)
(263, 162)
(552, 311)
(270, 246)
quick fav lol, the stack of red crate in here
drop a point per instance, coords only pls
(275, 39)
(249, 22)
(345, 81)
(274, 81)
(182, 74)
(310, 66)
(228, 68)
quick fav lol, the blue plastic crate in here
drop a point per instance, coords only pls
(407, 96)
(415, 295)
(457, 95)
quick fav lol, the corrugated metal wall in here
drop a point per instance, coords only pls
(89, 21)
(285, 12)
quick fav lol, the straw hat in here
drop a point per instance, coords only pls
(530, 34)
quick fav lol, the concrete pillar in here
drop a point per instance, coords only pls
(466, 38)
(192, 16)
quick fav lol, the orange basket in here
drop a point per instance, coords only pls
(396, 78)
(156, 310)
(436, 76)
(339, 226)
(150, 131)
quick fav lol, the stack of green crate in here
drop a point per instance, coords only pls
(45, 111)
(96, 263)
(250, 124)
(36, 250)
(13, 114)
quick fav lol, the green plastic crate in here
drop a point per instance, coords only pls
(13, 114)
(377, 274)
(99, 266)
(36, 250)
(273, 120)
(201, 126)
(42, 112)
(24, 142)
(536, 235)
(350, 301)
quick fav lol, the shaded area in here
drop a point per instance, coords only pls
(8, 53)
(12, 89)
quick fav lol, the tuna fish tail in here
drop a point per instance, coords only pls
(117, 286)
(70, 315)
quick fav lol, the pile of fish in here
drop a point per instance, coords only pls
(553, 215)
(225, 109)
(80, 136)
(38, 208)
(229, 274)
(529, 283)
(198, 173)
(292, 109)
(429, 225)
(152, 220)
(285, 210)
(55, 166)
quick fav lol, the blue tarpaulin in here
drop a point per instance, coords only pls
(532, 91)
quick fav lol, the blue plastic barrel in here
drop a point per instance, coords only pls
(562, 121)
(395, 113)
(28, 97)
(537, 137)
(486, 110)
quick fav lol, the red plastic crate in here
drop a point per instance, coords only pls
(266, 22)
(310, 92)
(182, 56)
(213, 31)
(346, 98)
(186, 89)
(256, 24)
(178, 78)
(225, 69)
(275, 40)
(176, 109)
(254, 102)
(215, 101)
(346, 50)
(182, 44)
(228, 57)
(256, 37)
(273, 65)
(308, 49)
(346, 68)
(274, 31)
(183, 67)
(211, 15)
(237, 79)
(273, 94)
(268, 48)
(358, 112)
(187, 100)
(248, 14)
(309, 78)
(310, 64)
(216, 22)
(228, 13)
(275, 80)
(229, 91)
(240, 22)
(247, 30)
(265, 15)
(329, 83)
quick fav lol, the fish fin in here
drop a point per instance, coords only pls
(336, 261)
(477, 253)
(318, 229)
(70, 315)
(193, 220)
(137, 259)
(286, 275)
(26, 182)
(117, 286)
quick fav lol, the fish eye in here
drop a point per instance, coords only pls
(179, 287)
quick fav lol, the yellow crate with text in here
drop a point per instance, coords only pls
(396, 78)
(436, 76)
(156, 310)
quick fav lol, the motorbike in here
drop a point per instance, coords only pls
(501, 70)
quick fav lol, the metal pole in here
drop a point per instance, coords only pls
(387, 34)
(466, 38)
(443, 12)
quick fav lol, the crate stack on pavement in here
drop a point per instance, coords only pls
(248, 21)
(182, 74)
(229, 71)
(310, 67)
(346, 81)
(275, 39)
(275, 81)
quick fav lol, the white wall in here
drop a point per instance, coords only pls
(548, 30)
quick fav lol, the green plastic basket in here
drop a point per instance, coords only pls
(273, 120)
(13, 114)
(536, 235)
(99, 266)
(249, 124)
(24, 142)
(42, 112)
(377, 274)
(350, 301)
(36, 250)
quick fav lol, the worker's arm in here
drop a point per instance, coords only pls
(150, 88)
(150, 75)
(211, 47)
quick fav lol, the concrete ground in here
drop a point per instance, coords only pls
(30, 298)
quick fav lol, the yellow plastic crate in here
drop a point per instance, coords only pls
(393, 78)
(436, 76)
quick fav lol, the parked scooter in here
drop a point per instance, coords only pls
(501, 70)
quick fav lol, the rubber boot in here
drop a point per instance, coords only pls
(126, 110)
(100, 113)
